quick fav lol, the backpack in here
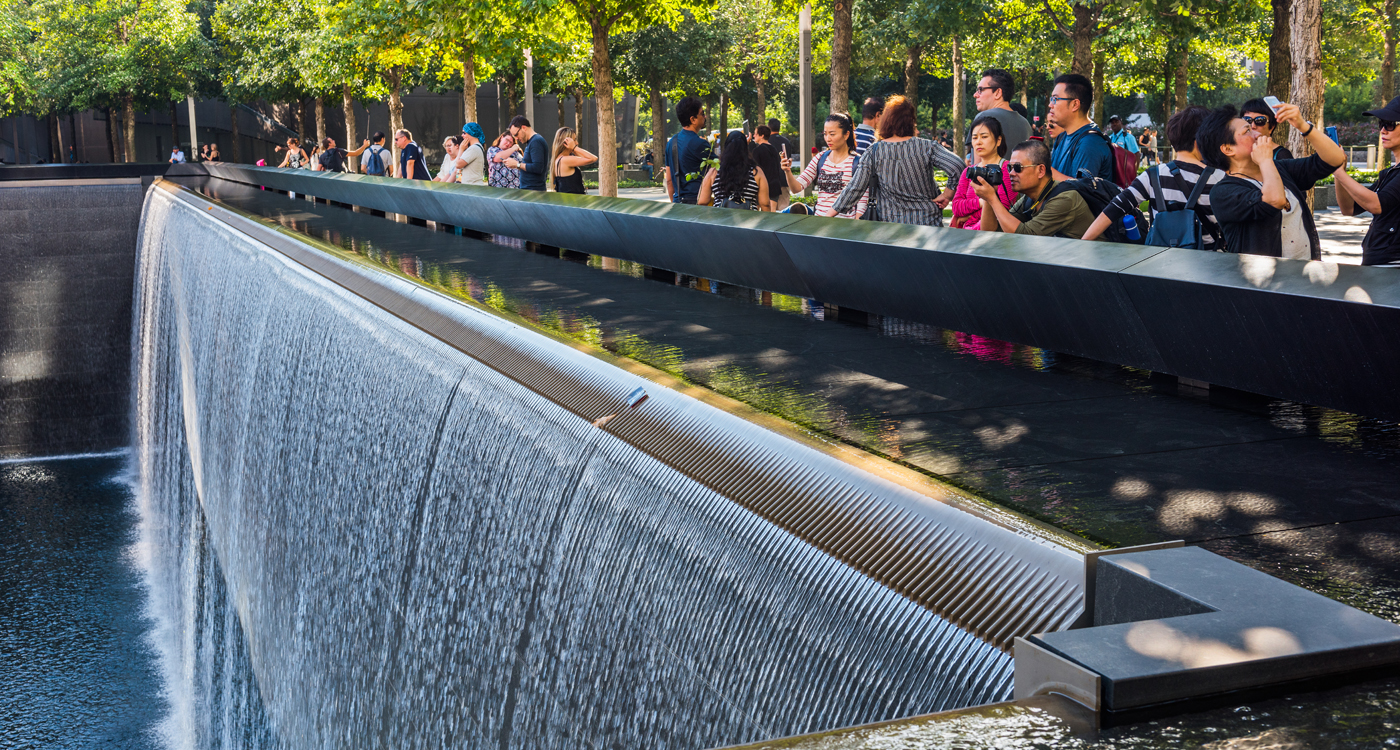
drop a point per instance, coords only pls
(821, 161)
(374, 163)
(1098, 193)
(1179, 227)
(333, 160)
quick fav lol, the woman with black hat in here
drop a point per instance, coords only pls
(1381, 247)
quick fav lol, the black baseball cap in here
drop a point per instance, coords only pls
(1389, 112)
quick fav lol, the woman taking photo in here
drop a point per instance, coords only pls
(988, 150)
(830, 172)
(1264, 121)
(295, 158)
(898, 171)
(1259, 204)
(738, 183)
(568, 157)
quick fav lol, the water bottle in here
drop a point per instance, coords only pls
(1131, 228)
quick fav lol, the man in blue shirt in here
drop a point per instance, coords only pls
(685, 151)
(1082, 146)
(411, 163)
(534, 154)
(1119, 135)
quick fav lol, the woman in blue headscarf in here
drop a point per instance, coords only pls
(471, 160)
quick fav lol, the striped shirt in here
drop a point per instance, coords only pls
(902, 175)
(1174, 192)
(830, 183)
(748, 195)
(865, 135)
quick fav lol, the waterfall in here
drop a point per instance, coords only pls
(363, 537)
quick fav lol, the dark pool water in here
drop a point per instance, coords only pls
(77, 668)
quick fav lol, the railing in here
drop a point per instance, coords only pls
(1316, 332)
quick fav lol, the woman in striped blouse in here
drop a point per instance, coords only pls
(898, 171)
(832, 171)
(1177, 177)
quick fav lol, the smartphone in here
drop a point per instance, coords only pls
(1273, 102)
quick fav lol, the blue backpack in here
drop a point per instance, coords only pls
(374, 163)
(1179, 227)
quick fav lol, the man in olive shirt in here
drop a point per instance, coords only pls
(1046, 208)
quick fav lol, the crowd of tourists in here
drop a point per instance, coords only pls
(518, 158)
(1228, 187)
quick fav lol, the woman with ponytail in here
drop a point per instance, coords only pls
(829, 173)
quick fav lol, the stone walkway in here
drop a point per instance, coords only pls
(1341, 235)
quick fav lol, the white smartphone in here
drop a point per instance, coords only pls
(1273, 102)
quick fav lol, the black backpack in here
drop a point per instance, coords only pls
(1178, 227)
(1098, 193)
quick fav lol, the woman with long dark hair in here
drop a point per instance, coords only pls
(830, 172)
(898, 171)
(738, 183)
(989, 148)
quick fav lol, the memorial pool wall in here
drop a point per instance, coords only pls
(435, 527)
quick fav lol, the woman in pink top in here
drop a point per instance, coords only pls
(830, 172)
(988, 150)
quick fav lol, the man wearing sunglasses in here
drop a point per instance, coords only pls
(1046, 208)
(1381, 246)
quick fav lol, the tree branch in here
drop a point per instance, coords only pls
(1055, 17)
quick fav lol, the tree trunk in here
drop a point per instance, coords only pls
(658, 126)
(297, 124)
(1281, 62)
(175, 129)
(111, 137)
(1081, 40)
(723, 115)
(1305, 44)
(511, 94)
(762, 103)
(1387, 82)
(234, 153)
(578, 112)
(841, 56)
(1025, 85)
(913, 66)
(1183, 72)
(320, 106)
(1099, 111)
(352, 136)
(959, 95)
(469, 82)
(55, 140)
(559, 100)
(394, 78)
(607, 119)
(129, 125)
(1168, 84)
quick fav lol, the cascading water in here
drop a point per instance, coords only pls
(366, 538)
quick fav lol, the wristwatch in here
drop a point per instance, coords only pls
(1311, 128)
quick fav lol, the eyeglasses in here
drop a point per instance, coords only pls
(1387, 125)
(1016, 168)
(1056, 99)
(1258, 122)
(980, 89)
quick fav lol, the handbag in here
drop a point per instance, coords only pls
(872, 204)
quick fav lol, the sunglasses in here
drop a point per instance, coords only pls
(1016, 168)
(1257, 122)
(1387, 125)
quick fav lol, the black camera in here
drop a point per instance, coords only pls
(989, 175)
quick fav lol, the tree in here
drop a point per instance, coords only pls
(1305, 45)
(601, 18)
(389, 38)
(16, 70)
(841, 55)
(1087, 20)
(658, 59)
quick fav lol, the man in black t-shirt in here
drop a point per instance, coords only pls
(1381, 247)
(777, 140)
(332, 159)
(411, 163)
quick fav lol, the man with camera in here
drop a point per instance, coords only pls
(1046, 208)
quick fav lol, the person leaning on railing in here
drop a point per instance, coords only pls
(1260, 203)
(1381, 246)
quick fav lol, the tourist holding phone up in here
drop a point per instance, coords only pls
(1381, 247)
